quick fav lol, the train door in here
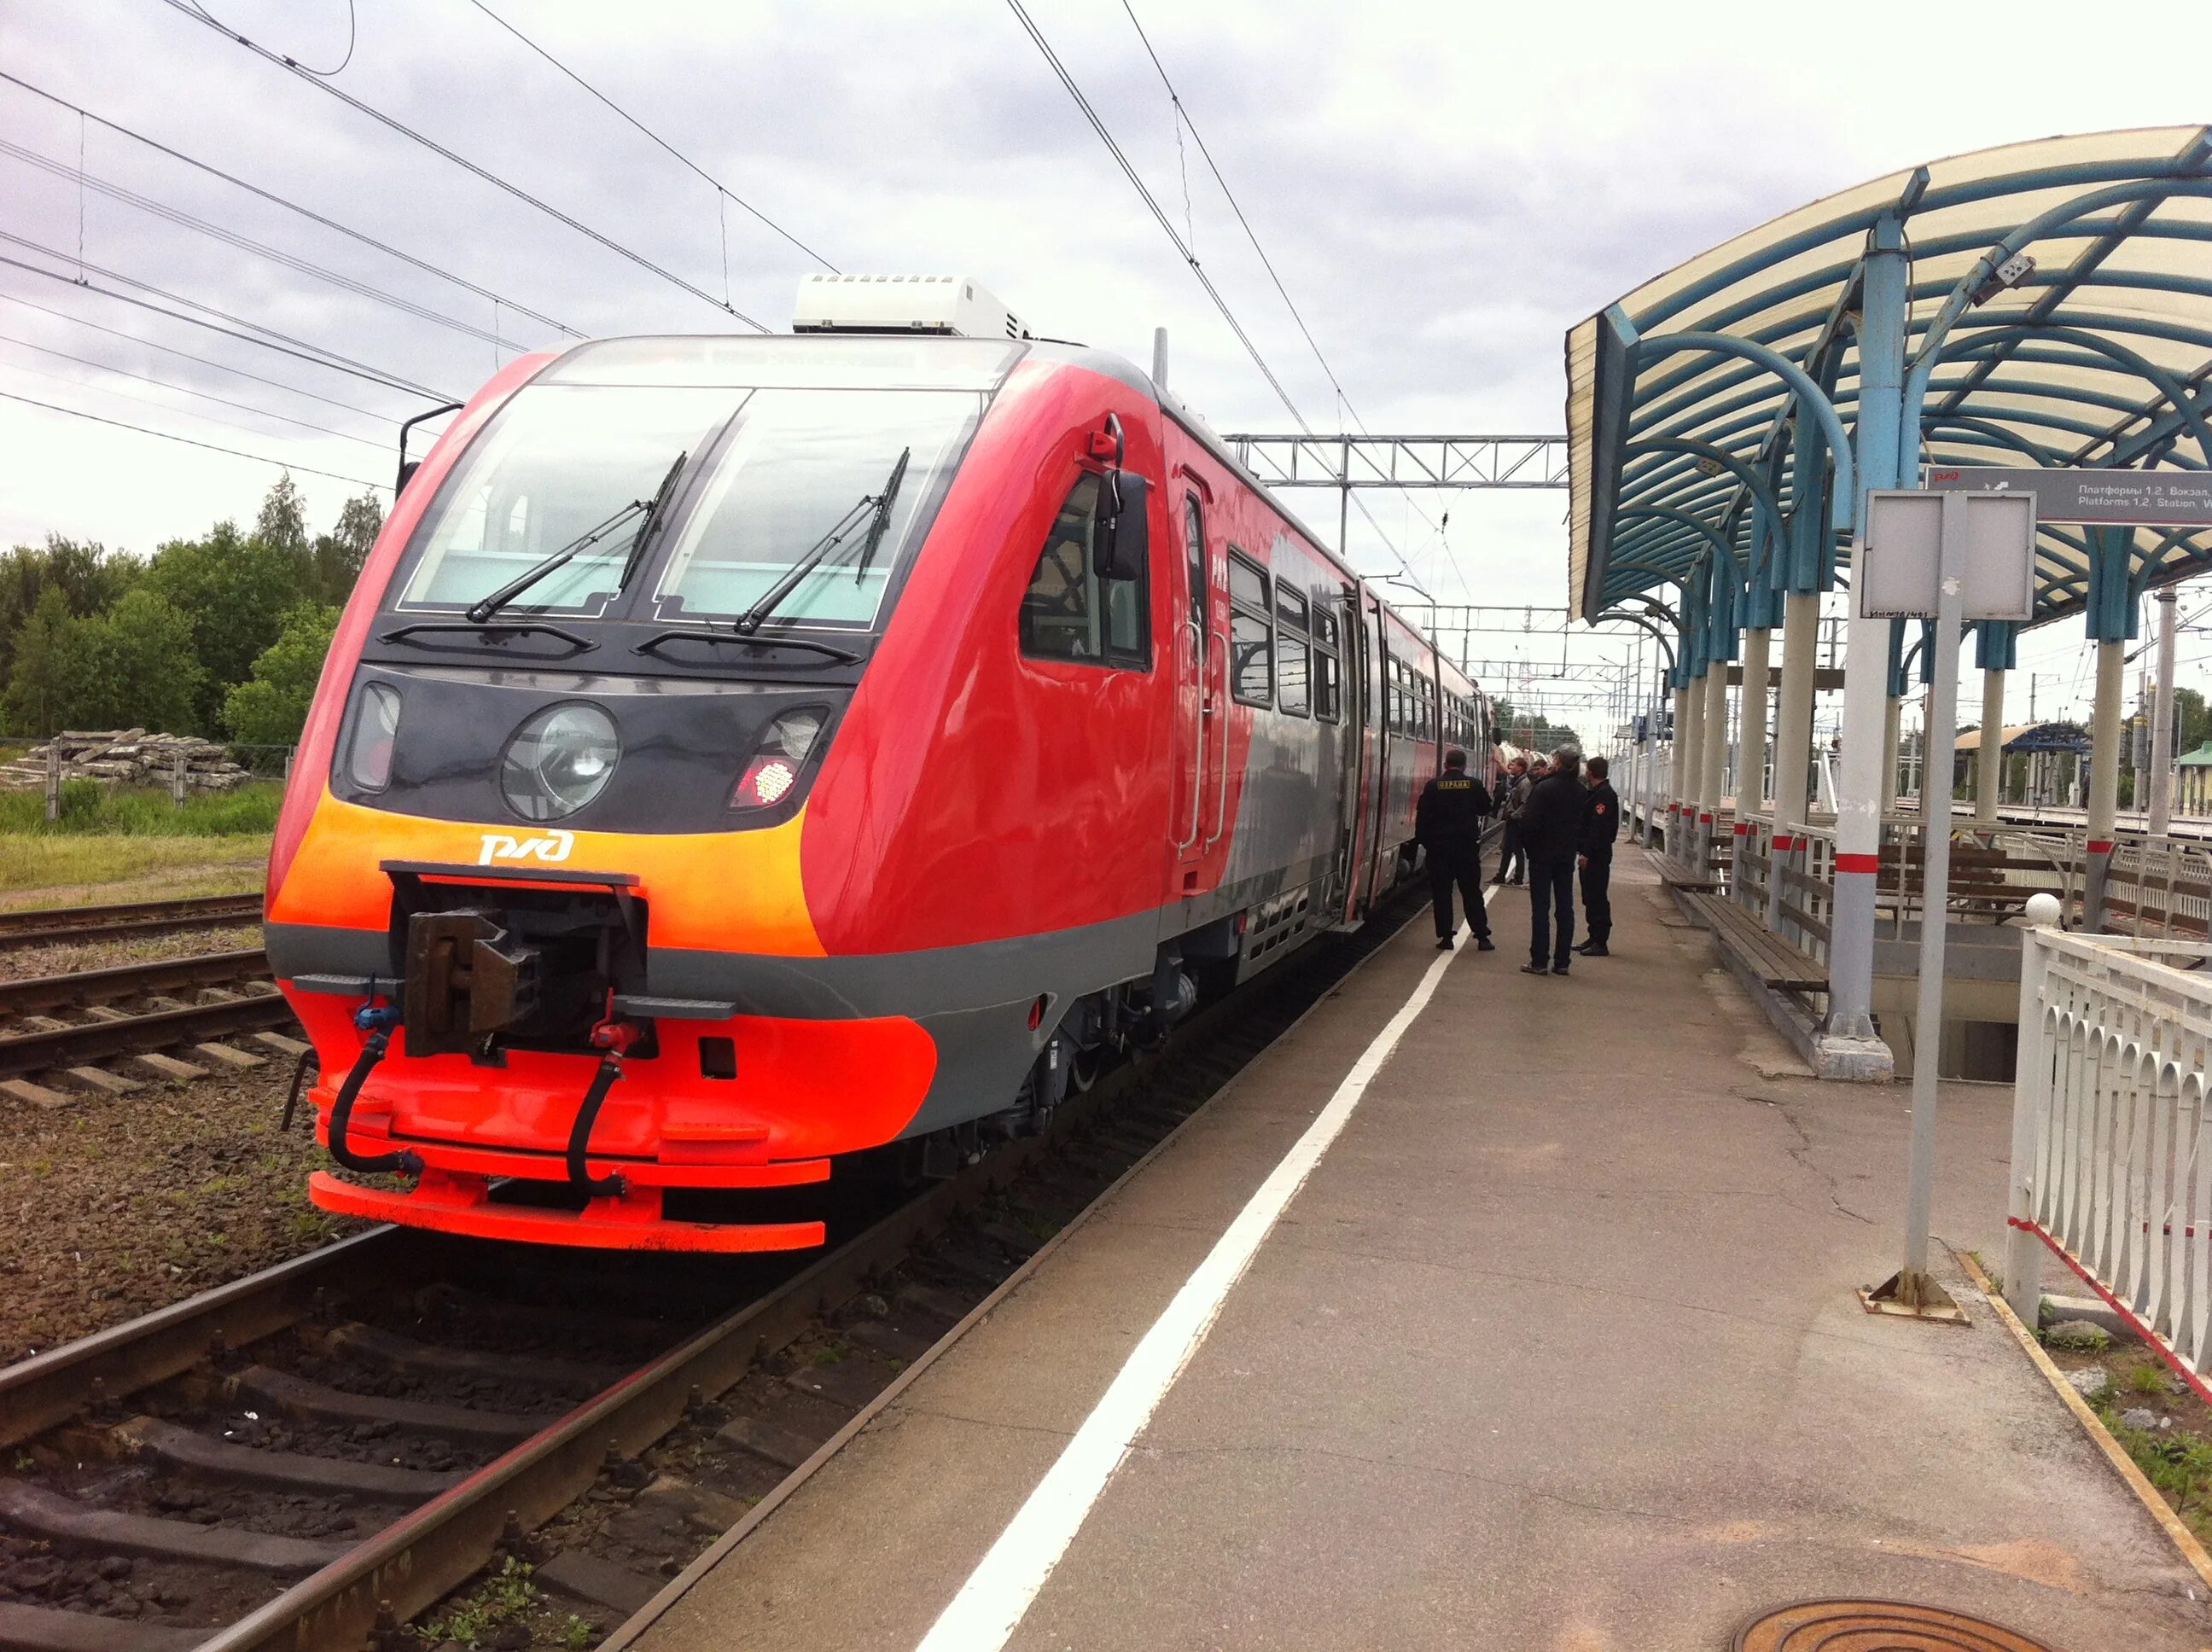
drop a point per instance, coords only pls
(1201, 715)
(1375, 722)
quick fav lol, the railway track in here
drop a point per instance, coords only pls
(71, 1024)
(310, 1458)
(53, 925)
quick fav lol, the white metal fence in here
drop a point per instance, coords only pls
(2111, 1166)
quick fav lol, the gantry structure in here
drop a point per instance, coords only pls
(2046, 304)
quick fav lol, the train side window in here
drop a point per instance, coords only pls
(1291, 684)
(1328, 702)
(1193, 540)
(1069, 612)
(1251, 633)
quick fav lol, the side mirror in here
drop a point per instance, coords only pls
(1125, 527)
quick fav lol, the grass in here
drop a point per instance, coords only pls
(2177, 1463)
(90, 809)
(54, 869)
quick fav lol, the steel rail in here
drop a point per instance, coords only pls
(136, 1035)
(412, 1563)
(49, 925)
(131, 980)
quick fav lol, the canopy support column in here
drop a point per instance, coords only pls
(1751, 749)
(1677, 755)
(1690, 745)
(1715, 753)
(1793, 740)
(1988, 761)
(1849, 1047)
(2104, 780)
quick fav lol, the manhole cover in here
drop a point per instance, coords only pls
(1877, 1626)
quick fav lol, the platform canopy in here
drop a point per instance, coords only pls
(2099, 357)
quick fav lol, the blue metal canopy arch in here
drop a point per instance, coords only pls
(1717, 405)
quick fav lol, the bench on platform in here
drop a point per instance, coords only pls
(1682, 880)
(1777, 963)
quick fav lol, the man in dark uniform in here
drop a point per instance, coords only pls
(1552, 831)
(1600, 825)
(1448, 821)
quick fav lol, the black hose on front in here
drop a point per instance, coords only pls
(404, 1162)
(580, 1135)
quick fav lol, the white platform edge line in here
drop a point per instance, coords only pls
(999, 1592)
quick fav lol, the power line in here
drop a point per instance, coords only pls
(308, 213)
(489, 177)
(285, 346)
(182, 390)
(720, 187)
(78, 413)
(204, 361)
(1182, 247)
(184, 220)
(76, 383)
(1268, 263)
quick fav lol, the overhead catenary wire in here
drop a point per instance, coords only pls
(394, 123)
(78, 382)
(308, 213)
(187, 355)
(721, 189)
(1182, 247)
(1274, 276)
(284, 343)
(184, 390)
(242, 243)
(213, 448)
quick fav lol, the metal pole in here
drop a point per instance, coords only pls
(1793, 739)
(1989, 762)
(2161, 728)
(1891, 739)
(1911, 1290)
(2104, 779)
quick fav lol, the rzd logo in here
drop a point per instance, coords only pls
(551, 848)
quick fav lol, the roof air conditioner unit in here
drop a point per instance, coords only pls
(952, 306)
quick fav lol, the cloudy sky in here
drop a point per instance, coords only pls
(1444, 190)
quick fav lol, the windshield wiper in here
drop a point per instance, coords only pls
(653, 514)
(877, 508)
(883, 517)
(485, 608)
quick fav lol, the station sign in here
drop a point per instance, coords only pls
(2158, 499)
(1909, 539)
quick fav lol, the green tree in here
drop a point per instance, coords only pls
(41, 680)
(282, 525)
(89, 576)
(270, 707)
(2194, 719)
(134, 666)
(233, 592)
(340, 554)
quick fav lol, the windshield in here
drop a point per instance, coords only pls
(556, 464)
(772, 472)
(797, 463)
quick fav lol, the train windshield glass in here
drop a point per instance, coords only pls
(556, 463)
(796, 465)
(770, 473)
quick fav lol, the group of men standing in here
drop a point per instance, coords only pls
(1556, 823)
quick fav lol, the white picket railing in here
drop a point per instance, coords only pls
(2112, 1145)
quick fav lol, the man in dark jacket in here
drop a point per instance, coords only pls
(1448, 821)
(1600, 825)
(1552, 833)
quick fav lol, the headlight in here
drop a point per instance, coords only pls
(376, 727)
(778, 759)
(558, 762)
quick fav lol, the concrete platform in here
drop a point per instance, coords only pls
(1556, 1349)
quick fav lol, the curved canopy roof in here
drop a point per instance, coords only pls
(2081, 364)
